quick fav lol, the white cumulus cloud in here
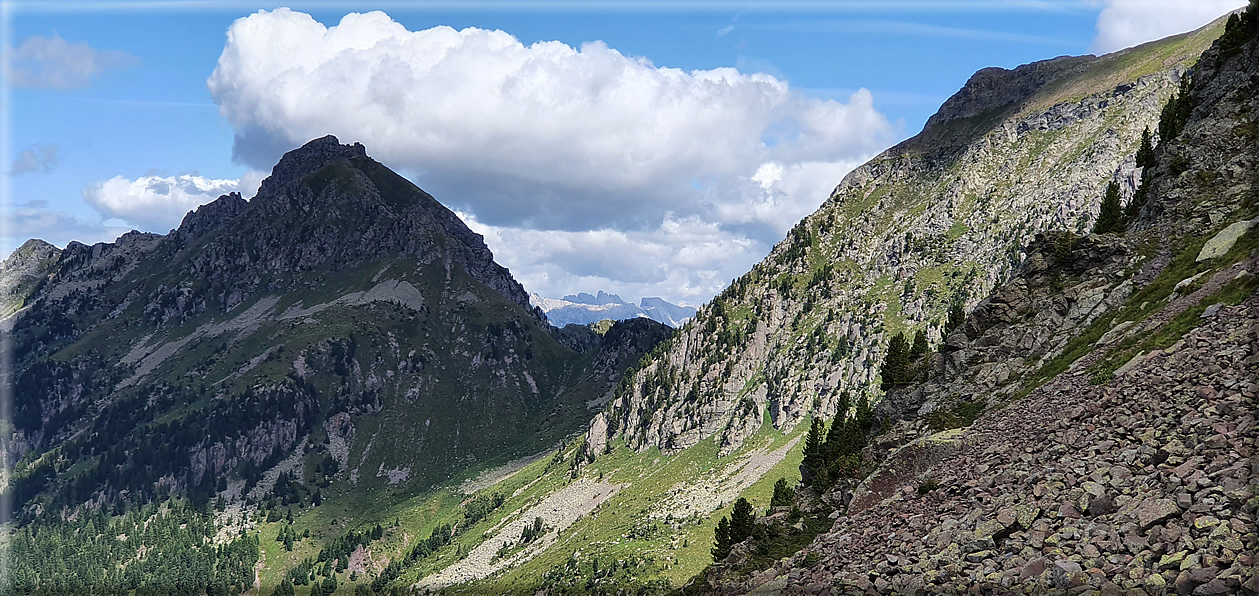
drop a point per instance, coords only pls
(687, 259)
(159, 203)
(585, 144)
(1126, 23)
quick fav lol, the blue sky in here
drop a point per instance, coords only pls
(683, 146)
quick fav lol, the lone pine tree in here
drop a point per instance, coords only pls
(1110, 216)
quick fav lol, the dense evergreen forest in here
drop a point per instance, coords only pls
(166, 550)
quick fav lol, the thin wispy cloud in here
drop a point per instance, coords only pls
(908, 28)
(886, 97)
(148, 103)
(657, 6)
(38, 219)
(54, 63)
(36, 158)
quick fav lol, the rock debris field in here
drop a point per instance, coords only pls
(1142, 485)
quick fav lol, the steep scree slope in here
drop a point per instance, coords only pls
(1129, 466)
(942, 217)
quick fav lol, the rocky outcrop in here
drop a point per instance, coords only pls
(1210, 167)
(1063, 285)
(330, 206)
(993, 88)
(210, 216)
(307, 159)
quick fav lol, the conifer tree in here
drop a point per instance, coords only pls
(1145, 153)
(895, 370)
(1110, 216)
(1236, 33)
(865, 414)
(919, 348)
(1176, 112)
(1133, 208)
(784, 495)
(721, 541)
(836, 432)
(284, 589)
(813, 460)
(741, 521)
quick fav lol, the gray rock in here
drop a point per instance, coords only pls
(1221, 243)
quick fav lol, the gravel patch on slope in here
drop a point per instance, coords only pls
(708, 494)
(558, 511)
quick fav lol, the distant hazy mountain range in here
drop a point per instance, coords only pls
(583, 309)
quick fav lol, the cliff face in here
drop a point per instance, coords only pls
(942, 217)
(342, 318)
(1119, 452)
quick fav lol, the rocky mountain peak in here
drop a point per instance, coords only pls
(308, 158)
(21, 271)
(598, 299)
(208, 217)
(996, 87)
(33, 249)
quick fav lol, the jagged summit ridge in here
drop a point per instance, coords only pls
(340, 295)
(597, 299)
(308, 158)
(328, 204)
(584, 309)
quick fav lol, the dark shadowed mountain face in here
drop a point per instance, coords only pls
(342, 325)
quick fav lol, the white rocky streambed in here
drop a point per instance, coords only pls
(558, 511)
(706, 494)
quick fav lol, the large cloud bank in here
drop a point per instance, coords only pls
(1126, 23)
(586, 169)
